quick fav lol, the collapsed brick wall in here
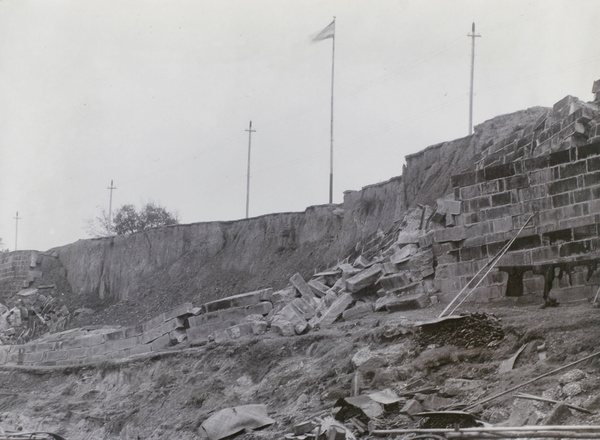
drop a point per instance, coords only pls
(17, 271)
(552, 169)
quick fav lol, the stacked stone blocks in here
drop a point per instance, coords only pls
(562, 187)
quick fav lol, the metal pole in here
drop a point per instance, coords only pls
(331, 125)
(17, 218)
(472, 35)
(250, 131)
(111, 187)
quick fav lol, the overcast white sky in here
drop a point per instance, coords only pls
(157, 94)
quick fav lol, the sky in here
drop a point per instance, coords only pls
(156, 96)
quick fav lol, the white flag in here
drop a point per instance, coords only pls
(328, 32)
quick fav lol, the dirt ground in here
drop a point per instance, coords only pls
(301, 378)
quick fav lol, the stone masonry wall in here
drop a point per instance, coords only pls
(551, 169)
(17, 271)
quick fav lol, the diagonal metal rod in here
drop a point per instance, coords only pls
(492, 262)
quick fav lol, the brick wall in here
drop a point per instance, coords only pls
(551, 169)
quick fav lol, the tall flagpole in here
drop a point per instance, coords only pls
(331, 125)
(250, 131)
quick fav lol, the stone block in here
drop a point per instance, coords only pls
(412, 407)
(241, 300)
(302, 287)
(184, 309)
(197, 334)
(447, 206)
(394, 281)
(134, 331)
(408, 237)
(336, 309)
(163, 342)
(365, 278)
(154, 322)
(427, 239)
(163, 329)
(450, 234)
(319, 289)
(123, 344)
(178, 335)
(284, 295)
(403, 254)
(394, 303)
(259, 327)
(302, 308)
(359, 310)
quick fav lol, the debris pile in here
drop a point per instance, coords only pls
(465, 331)
(390, 272)
(36, 311)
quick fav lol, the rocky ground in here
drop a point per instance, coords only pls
(303, 378)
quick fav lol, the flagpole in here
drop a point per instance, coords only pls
(331, 125)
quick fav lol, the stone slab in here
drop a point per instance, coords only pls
(301, 286)
(336, 309)
(241, 300)
(364, 278)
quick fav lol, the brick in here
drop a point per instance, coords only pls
(593, 164)
(592, 179)
(572, 169)
(450, 234)
(536, 163)
(503, 211)
(501, 199)
(582, 195)
(446, 206)
(488, 188)
(363, 279)
(560, 200)
(532, 192)
(464, 179)
(575, 248)
(472, 253)
(563, 185)
(585, 151)
(574, 222)
(518, 258)
(540, 177)
(499, 171)
(516, 182)
(526, 242)
(583, 232)
(558, 236)
(478, 203)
